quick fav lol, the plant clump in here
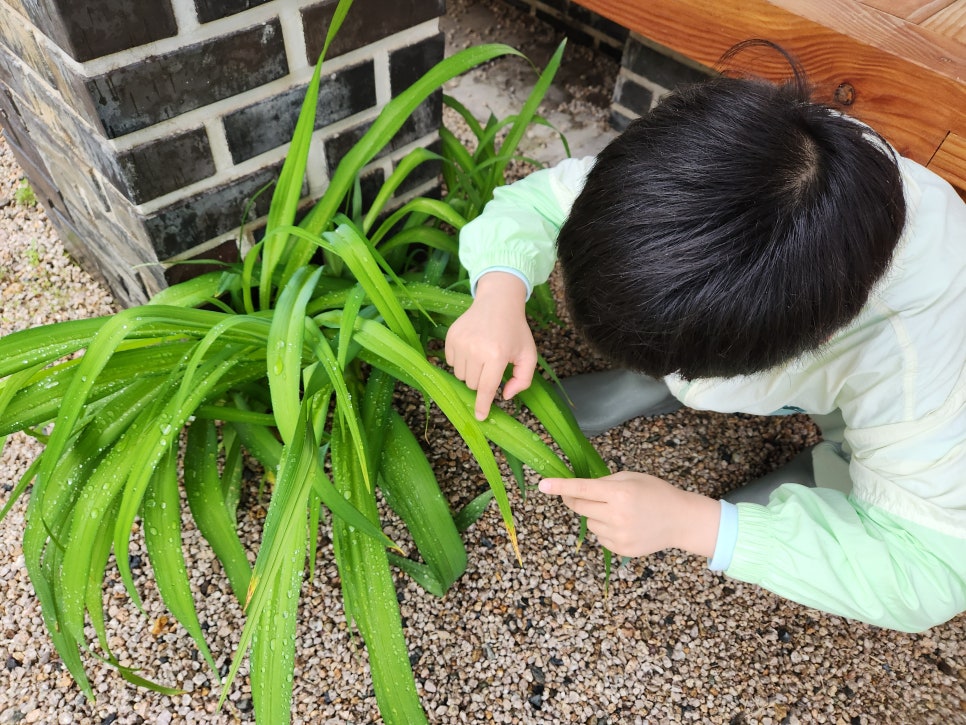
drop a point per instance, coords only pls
(291, 357)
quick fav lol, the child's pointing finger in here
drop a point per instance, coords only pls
(588, 489)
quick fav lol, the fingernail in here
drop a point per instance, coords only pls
(544, 486)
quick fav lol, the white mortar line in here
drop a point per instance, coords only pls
(293, 36)
(317, 171)
(185, 16)
(218, 142)
(380, 59)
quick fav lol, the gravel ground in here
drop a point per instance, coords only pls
(541, 643)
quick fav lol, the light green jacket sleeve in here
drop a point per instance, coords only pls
(518, 227)
(827, 550)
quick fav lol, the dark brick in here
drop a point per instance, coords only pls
(89, 29)
(633, 95)
(209, 10)
(407, 65)
(166, 164)
(225, 252)
(367, 22)
(423, 121)
(658, 67)
(615, 51)
(619, 121)
(270, 123)
(338, 145)
(165, 86)
(205, 215)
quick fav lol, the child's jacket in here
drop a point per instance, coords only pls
(893, 550)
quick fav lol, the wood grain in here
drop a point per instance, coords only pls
(912, 10)
(950, 161)
(909, 81)
(950, 21)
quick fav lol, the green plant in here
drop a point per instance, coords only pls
(24, 195)
(291, 357)
(33, 254)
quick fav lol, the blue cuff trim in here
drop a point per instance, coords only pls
(509, 270)
(724, 547)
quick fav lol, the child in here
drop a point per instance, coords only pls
(749, 250)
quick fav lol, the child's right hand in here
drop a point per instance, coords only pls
(490, 335)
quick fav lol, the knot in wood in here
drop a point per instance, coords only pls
(845, 94)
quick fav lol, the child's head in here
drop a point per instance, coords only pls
(734, 227)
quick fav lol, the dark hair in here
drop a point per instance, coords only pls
(734, 227)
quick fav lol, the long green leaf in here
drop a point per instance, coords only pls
(412, 491)
(361, 258)
(559, 421)
(162, 537)
(402, 171)
(40, 401)
(158, 437)
(195, 291)
(284, 353)
(275, 580)
(433, 207)
(370, 594)
(207, 503)
(347, 409)
(288, 190)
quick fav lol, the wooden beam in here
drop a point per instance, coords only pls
(906, 81)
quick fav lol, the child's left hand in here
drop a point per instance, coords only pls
(635, 514)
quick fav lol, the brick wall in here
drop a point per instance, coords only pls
(648, 70)
(146, 128)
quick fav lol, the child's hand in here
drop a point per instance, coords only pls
(490, 335)
(635, 514)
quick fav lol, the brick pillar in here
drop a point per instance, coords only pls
(145, 128)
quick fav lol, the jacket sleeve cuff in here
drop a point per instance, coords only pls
(499, 268)
(727, 538)
(749, 560)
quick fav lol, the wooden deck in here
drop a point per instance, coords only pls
(899, 65)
